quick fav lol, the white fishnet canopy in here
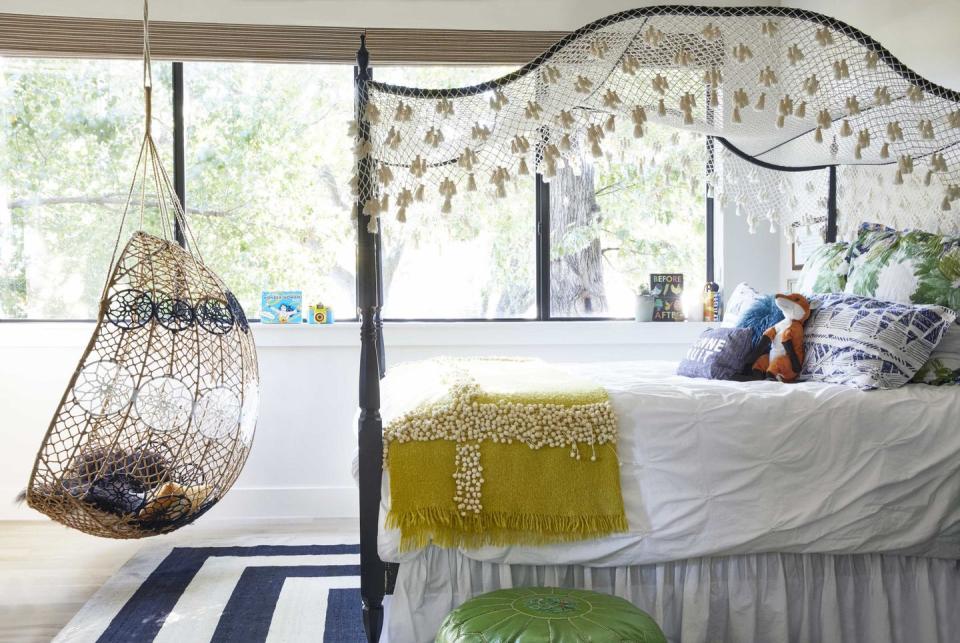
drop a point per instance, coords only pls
(788, 87)
(764, 197)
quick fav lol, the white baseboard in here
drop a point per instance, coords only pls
(9, 510)
(244, 502)
(289, 502)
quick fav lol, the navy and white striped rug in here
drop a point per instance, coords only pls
(235, 594)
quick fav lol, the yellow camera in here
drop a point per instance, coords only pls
(320, 314)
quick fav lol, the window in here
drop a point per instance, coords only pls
(613, 222)
(69, 138)
(479, 261)
(267, 166)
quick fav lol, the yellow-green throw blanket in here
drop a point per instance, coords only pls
(501, 452)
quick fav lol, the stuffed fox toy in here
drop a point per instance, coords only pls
(781, 346)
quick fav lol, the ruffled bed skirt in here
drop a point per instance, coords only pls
(869, 598)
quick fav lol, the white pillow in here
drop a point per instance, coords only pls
(740, 300)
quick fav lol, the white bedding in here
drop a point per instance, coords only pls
(716, 468)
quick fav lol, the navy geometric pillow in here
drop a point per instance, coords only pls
(869, 343)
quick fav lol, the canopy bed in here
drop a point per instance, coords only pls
(749, 505)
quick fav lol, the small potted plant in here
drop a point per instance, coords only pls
(644, 309)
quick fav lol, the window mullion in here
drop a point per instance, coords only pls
(179, 152)
(543, 247)
(708, 200)
(831, 231)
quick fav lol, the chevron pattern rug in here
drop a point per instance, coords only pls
(236, 594)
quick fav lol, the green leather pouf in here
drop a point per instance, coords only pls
(548, 615)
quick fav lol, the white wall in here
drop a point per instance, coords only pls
(921, 33)
(742, 256)
(300, 464)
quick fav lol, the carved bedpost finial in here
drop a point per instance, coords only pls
(363, 56)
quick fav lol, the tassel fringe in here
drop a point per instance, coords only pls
(447, 528)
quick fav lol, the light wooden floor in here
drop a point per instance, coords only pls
(47, 572)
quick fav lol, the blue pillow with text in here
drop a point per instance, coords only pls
(718, 354)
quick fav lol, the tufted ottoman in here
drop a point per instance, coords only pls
(548, 615)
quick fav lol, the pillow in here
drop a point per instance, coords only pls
(763, 314)
(739, 301)
(916, 267)
(867, 343)
(906, 267)
(719, 354)
(943, 367)
(825, 271)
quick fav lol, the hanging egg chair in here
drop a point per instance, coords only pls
(158, 418)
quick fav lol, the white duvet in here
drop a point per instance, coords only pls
(715, 468)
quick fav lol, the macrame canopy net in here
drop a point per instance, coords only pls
(158, 418)
(785, 88)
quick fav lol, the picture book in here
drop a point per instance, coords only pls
(667, 290)
(281, 307)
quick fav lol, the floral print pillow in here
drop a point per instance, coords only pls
(906, 267)
(825, 271)
(912, 267)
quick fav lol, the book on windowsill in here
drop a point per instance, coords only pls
(667, 290)
(281, 306)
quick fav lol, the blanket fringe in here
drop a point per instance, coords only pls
(448, 528)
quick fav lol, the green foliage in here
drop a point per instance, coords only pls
(937, 373)
(933, 260)
(267, 167)
(939, 279)
(825, 270)
(69, 135)
(865, 272)
(652, 217)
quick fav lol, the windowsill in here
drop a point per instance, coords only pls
(347, 334)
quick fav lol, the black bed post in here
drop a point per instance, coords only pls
(370, 430)
(378, 315)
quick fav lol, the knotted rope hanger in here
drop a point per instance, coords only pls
(170, 210)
